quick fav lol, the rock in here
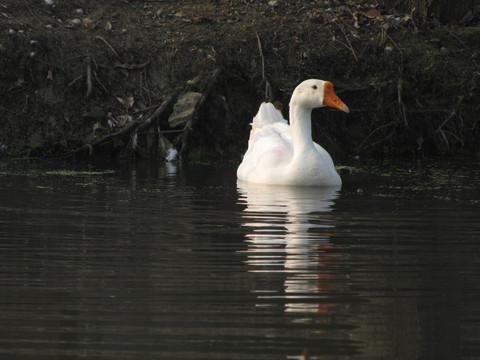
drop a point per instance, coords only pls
(75, 22)
(108, 26)
(183, 109)
(50, 3)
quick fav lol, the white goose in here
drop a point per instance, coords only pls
(279, 154)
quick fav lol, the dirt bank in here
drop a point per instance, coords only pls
(74, 72)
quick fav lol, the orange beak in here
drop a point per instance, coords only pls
(331, 99)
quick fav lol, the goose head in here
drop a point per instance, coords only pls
(315, 93)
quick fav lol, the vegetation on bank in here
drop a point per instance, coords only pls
(94, 72)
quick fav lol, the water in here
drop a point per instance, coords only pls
(154, 261)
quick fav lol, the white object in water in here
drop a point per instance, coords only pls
(283, 154)
(171, 155)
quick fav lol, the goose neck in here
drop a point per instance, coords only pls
(301, 127)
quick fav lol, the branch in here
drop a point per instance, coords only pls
(261, 55)
(130, 129)
(193, 119)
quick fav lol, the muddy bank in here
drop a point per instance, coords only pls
(76, 72)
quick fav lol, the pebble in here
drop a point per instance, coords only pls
(108, 26)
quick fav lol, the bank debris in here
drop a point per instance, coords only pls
(99, 74)
(182, 120)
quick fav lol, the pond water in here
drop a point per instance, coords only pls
(169, 261)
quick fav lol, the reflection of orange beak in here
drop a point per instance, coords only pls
(331, 99)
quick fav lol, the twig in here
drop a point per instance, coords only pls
(98, 37)
(89, 78)
(159, 111)
(452, 114)
(31, 12)
(174, 131)
(24, 109)
(444, 137)
(458, 39)
(268, 88)
(348, 41)
(100, 83)
(136, 111)
(401, 105)
(349, 46)
(259, 43)
(374, 131)
(130, 66)
(355, 18)
(74, 80)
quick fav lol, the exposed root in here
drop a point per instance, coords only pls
(89, 78)
(98, 37)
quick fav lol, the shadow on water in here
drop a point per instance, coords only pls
(169, 261)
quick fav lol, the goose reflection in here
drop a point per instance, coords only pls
(289, 236)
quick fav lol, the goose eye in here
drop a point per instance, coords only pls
(314, 87)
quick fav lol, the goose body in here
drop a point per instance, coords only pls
(283, 154)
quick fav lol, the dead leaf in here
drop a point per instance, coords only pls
(127, 102)
(405, 19)
(371, 14)
(89, 23)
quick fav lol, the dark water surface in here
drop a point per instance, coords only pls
(155, 261)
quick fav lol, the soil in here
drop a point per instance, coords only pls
(74, 72)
